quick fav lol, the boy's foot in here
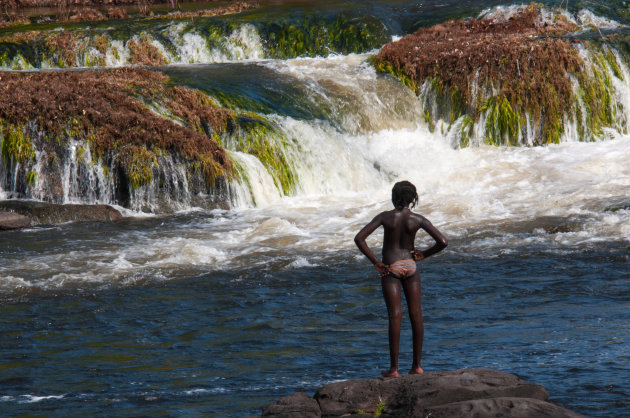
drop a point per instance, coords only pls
(416, 370)
(390, 373)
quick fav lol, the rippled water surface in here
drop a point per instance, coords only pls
(229, 341)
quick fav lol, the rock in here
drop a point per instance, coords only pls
(296, 405)
(51, 213)
(350, 396)
(466, 392)
(10, 220)
(506, 407)
(408, 393)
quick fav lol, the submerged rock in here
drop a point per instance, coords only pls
(466, 392)
(37, 213)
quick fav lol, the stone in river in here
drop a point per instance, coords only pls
(465, 392)
(51, 213)
(10, 220)
(298, 404)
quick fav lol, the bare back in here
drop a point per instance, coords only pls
(400, 233)
(401, 226)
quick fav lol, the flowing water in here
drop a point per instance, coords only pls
(219, 312)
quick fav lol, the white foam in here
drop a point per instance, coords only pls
(244, 43)
(29, 398)
(586, 18)
(345, 178)
(301, 262)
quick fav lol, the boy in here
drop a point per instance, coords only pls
(398, 267)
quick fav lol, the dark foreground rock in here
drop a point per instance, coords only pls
(26, 213)
(10, 220)
(458, 393)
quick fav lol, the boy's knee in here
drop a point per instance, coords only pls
(395, 314)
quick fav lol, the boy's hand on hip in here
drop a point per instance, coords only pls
(417, 255)
(382, 268)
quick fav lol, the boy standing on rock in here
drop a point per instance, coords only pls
(398, 267)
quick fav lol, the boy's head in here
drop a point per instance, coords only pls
(404, 194)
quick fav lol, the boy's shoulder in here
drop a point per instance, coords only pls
(386, 213)
(418, 217)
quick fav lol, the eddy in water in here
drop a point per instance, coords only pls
(398, 267)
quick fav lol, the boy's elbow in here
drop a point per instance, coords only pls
(444, 242)
(357, 240)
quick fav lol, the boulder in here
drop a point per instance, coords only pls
(504, 407)
(10, 220)
(51, 213)
(465, 392)
(296, 405)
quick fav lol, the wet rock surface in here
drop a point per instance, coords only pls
(10, 220)
(466, 392)
(37, 213)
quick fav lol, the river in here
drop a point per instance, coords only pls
(220, 312)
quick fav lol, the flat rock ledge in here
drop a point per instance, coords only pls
(458, 393)
(16, 214)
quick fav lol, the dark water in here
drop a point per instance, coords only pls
(228, 343)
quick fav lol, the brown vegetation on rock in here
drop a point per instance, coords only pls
(66, 44)
(21, 37)
(22, 4)
(109, 108)
(143, 52)
(519, 60)
(86, 14)
(13, 11)
(238, 6)
(117, 13)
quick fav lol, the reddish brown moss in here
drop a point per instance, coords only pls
(117, 13)
(515, 59)
(143, 52)
(21, 37)
(65, 44)
(194, 107)
(237, 7)
(86, 14)
(15, 11)
(108, 107)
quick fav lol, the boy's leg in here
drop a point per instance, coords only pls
(391, 292)
(413, 291)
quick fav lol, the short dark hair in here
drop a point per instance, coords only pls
(403, 194)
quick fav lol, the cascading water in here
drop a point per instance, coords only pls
(359, 106)
(202, 40)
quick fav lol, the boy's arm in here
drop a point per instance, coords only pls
(360, 238)
(440, 241)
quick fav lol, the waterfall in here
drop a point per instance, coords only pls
(349, 131)
(199, 41)
(369, 119)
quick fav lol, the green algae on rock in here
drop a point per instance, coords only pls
(515, 75)
(254, 135)
(163, 40)
(106, 118)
